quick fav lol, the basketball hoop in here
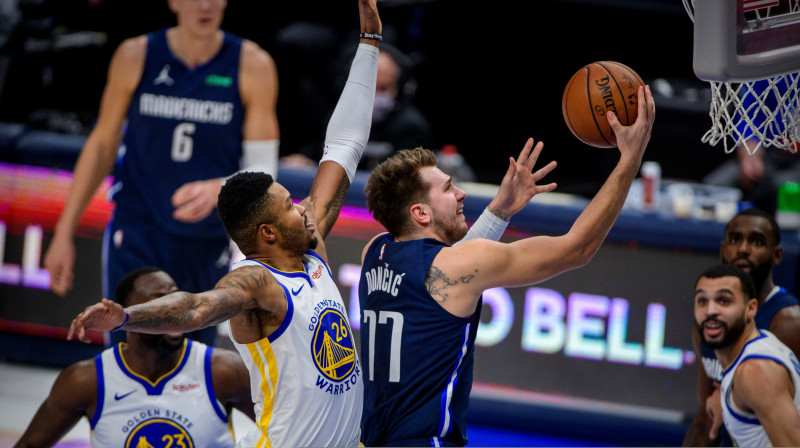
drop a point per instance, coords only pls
(763, 111)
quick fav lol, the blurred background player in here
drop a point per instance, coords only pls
(193, 104)
(760, 386)
(752, 242)
(190, 387)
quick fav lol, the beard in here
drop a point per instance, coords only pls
(296, 240)
(451, 230)
(161, 343)
(730, 334)
(758, 272)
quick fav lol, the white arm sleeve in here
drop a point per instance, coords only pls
(259, 155)
(348, 129)
(488, 226)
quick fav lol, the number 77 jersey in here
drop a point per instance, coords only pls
(417, 356)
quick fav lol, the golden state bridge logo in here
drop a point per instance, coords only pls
(159, 433)
(333, 351)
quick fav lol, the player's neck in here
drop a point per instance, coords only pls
(765, 290)
(728, 355)
(148, 362)
(281, 261)
(192, 49)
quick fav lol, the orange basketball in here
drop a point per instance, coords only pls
(595, 89)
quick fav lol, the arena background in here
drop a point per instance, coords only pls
(603, 352)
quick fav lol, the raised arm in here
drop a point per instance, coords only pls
(96, 159)
(248, 287)
(466, 270)
(517, 188)
(73, 395)
(765, 387)
(348, 129)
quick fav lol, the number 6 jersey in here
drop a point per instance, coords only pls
(184, 124)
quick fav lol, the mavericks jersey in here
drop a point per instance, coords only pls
(178, 410)
(744, 427)
(418, 356)
(183, 125)
(305, 378)
(778, 299)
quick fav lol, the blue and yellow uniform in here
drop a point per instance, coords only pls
(418, 357)
(179, 409)
(305, 378)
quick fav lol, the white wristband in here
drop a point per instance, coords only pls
(488, 226)
(348, 128)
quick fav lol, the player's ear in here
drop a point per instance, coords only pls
(752, 307)
(777, 255)
(268, 233)
(420, 213)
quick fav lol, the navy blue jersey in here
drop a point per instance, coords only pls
(764, 315)
(417, 357)
(183, 125)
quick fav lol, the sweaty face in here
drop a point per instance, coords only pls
(297, 232)
(446, 201)
(748, 245)
(721, 311)
(146, 288)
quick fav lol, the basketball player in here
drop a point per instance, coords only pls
(193, 104)
(760, 386)
(286, 315)
(752, 243)
(421, 298)
(150, 391)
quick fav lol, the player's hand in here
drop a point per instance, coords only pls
(519, 183)
(59, 262)
(370, 20)
(194, 201)
(102, 316)
(751, 167)
(714, 411)
(632, 140)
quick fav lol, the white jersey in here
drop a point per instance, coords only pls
(744, 427)
(179, 410)
(305, 378)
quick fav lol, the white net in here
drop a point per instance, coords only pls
(765, 112)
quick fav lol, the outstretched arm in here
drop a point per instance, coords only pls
(460, 274)
(516, 190)
(348, 129)
(244, 288)
(73, 395)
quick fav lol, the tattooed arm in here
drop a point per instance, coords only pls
(324, 201)
(245, 288)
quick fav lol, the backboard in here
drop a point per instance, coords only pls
(745, 40)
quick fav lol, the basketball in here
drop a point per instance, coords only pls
(592, 91)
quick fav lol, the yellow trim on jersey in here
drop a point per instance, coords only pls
(180, 360)
(264, 359)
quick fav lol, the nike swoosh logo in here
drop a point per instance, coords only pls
(120, 397)
(294, 293)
